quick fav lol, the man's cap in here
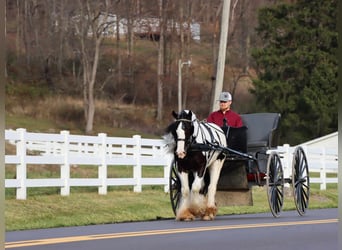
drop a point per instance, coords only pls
(225, 97)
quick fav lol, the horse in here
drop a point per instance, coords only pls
(182, 136)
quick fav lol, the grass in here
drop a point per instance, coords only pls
(84, 171)
(46, 208)
(86, 207)
(52, 114)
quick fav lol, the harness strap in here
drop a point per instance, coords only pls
(203, 127)
(212, 138)
(183, 120)
(192, 137)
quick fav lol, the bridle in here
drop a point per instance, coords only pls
(192, 137)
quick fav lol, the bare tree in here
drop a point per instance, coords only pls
(91, 25)
(186, 39)
(63, 27)
(130, 11)
(118, 50)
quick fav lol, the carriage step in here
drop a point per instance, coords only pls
(234, 198)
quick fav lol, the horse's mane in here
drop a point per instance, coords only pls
(171, 127)
(169, 142)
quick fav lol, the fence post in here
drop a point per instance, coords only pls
(323, 171)
(65, 168)
(21, 167)
(102, 173)
(287, 160)
(137, 172)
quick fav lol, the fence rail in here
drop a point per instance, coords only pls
(66, 150)
(321, 160)
(102, 151)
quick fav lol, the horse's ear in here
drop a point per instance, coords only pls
(191, 116)
(174, 114)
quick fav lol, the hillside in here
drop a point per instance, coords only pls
(46, 65)
(30, 99)
(55, 113)
(63, 65)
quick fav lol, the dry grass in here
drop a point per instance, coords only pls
(57, 113)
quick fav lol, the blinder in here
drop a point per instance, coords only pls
(191, 138)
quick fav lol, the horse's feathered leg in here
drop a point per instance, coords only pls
(214, 171)
(183, 212)
(197, 200)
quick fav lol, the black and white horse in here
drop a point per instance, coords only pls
(197, 198)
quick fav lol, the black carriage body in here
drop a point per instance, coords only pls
(259, 134)
(247, 148)
(262, 134)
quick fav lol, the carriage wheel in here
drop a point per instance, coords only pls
(300, 180)
(175, 187)
(275, 184)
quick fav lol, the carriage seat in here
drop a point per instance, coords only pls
(262, 130)
(236, 138)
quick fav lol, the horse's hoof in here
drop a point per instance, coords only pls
(187, 216)
(185, 219)
(188, 219)
(211, 211)
(206, 218)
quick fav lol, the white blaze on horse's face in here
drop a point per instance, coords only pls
(180, 141)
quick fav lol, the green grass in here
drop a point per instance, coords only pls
(46, 208)
(30, 123)
(84, 171)
(85, 207)
(46, 126)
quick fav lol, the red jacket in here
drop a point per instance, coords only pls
(233, 119)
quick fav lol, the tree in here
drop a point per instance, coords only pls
(297, 67)
(91, 27)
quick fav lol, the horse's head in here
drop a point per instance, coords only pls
(183, 129)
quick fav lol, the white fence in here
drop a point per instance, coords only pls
(321, 160)
(102, 151)
(65, 150)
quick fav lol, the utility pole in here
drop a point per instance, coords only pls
(222, 52)
(180, 66)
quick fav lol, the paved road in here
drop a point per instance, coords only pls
(317, 230)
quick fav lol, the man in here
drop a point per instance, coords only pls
(225, 114)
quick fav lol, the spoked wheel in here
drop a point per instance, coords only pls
(175, 187)
(275, 184)
(300, 180)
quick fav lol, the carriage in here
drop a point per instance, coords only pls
(250, 160)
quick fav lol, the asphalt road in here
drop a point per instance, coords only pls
(317, 230)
